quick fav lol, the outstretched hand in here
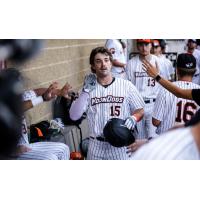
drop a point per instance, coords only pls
(151, 70)
(90, 83)
(65, 91)
(50, 93)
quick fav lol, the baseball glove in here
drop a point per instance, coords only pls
(89, 83)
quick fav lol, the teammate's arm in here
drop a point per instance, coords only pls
(118, 64)
(47, 94)
(178, 92)
(79, 106)
(27, 105)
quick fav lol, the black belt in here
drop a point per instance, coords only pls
(99, 138)
(149, 100)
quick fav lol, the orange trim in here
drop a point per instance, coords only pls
(143, 40)
(39, 132)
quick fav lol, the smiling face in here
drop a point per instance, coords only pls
(102, 65)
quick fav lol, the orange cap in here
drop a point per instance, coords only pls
(143, 40)
(156, 43)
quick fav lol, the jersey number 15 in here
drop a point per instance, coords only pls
(115, 111)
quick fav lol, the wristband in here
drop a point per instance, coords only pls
(37, 100)
(134, 117)
(157, 78)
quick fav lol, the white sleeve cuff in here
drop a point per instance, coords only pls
(37, 100)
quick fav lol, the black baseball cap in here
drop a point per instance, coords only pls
(186, 61)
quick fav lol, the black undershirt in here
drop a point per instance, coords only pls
(196, 95)
(196, 118)
(109, 83)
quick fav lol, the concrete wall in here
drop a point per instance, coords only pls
(62, 61)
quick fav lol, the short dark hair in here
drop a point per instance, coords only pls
(97, 50)
(186, 72)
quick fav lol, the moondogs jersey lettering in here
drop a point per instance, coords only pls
(103, 106)
(172, 111)
(147, 86)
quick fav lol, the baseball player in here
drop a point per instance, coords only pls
(119, 59)
(178, 144)
(192, 48)
(166, 67)
(192, 94)
(169, 110)
(146, 85)
(40, 150)
(105, 97)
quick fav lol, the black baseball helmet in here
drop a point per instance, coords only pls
(117, 134)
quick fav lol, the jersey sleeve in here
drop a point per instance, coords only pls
(28, 95)
(135, 99)
(196, 96)
(79, 106)
(112, 47)
(159, 106)
(130, 71)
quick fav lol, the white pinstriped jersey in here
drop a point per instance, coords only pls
(146, 85)
(118, 54)
(166, 67)
(178, 144)
(196, 77)
(40, 150)
(172, 111)
(118, 100)
(27, 95)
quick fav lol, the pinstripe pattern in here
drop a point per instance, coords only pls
(178, 144)
(46, 151)
(145, 126)
(104, 151)
(123, 96)
(118, 54)
(148, 89)
(41, 150)
(166, 109)
(140, 78)
(166, 67)
(196, 77)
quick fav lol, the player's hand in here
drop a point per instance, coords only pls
(151, 70)
(130, 123)
(50, 93)
(136, 145)
(22, 149)
(90, 83)
(66, 89)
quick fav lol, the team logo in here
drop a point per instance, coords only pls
(141, 74)
(106, 99)
(189, 65)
